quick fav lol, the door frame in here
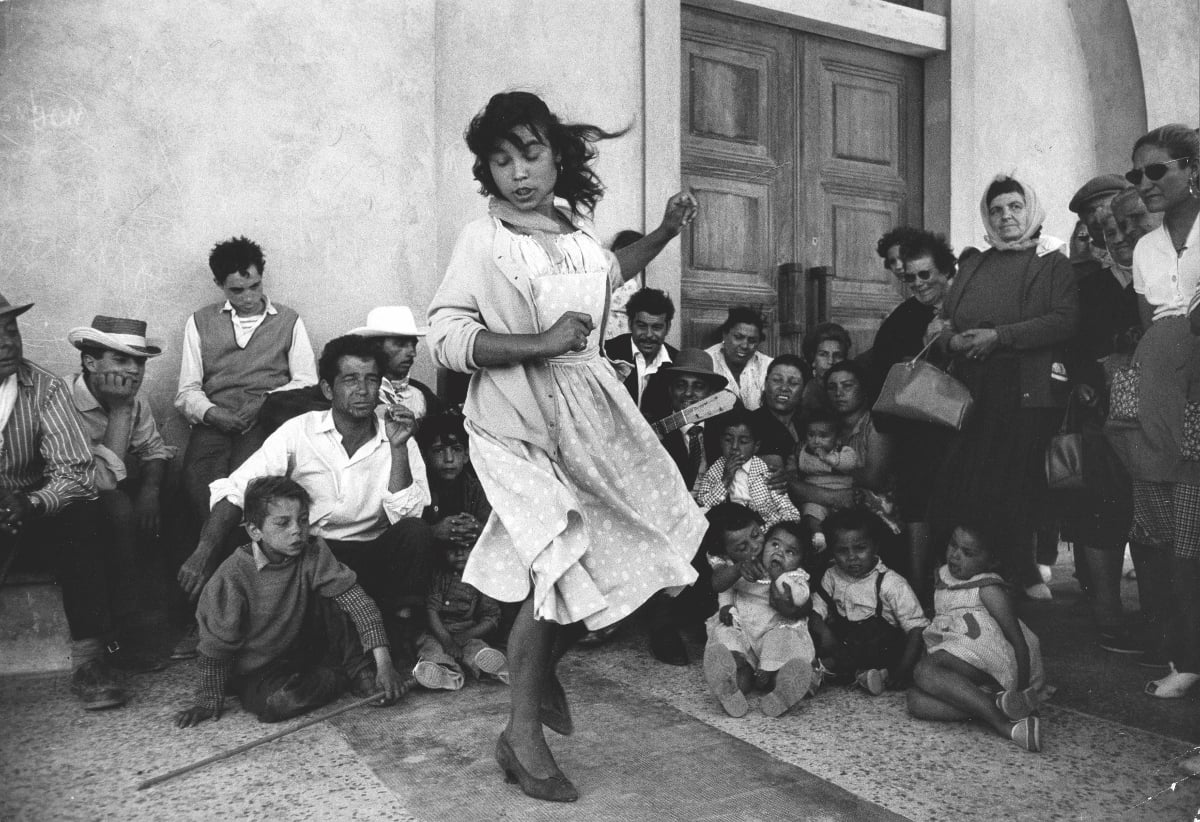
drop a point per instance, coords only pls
(874, 23)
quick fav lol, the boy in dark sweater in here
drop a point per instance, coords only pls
(269, 628)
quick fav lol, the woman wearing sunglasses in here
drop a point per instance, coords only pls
(926, 265)
(1010, 309)
(1166, 484)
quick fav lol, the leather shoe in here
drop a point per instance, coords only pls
(554, 788)
(667, 646)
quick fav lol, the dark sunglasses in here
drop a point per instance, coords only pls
(909, 279)
(1154, 171)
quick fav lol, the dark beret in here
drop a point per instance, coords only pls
(1104, 185)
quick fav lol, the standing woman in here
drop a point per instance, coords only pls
(1010, 310)
(737, 358)
(1166, 484)
(575, 535)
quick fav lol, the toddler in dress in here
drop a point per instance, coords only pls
(739, 475)
(983, 662)
(751, 644)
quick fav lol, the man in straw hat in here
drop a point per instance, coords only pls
(131, 457)
(396, 335)
(48, 513)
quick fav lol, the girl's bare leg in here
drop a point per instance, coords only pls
(956, 683)
(530, 650)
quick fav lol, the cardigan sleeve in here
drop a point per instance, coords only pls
(454, 314)
(1061, 319)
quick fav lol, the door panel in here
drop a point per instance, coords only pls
(737, 154)
(862, 172)
(802, 152)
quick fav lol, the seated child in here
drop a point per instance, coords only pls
(750, 642)
(821, 462)
(869, 622)
(458, 507)
(740, 476)
(459, 618)
(268, 626)
(983, 662)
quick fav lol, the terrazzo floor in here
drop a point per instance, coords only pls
(651, 744)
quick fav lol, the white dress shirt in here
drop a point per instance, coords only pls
(645, 370)
(1167, 279)
(349, 493)
(190, 398)
(749, 387)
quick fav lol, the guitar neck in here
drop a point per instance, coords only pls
(668, 424)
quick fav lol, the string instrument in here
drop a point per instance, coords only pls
(706, 408)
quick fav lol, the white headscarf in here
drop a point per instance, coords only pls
(1034, 214)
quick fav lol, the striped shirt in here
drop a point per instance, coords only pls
(45, 452)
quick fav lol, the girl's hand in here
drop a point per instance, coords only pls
(681, 210)
(569, 333)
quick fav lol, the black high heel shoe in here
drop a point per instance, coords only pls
(554, 712)
(555, 788)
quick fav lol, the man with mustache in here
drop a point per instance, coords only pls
(645, 347)
(396, 335)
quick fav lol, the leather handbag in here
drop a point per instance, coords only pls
(917, 390)
(1064, 455)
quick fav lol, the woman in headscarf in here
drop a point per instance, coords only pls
(1009, 311)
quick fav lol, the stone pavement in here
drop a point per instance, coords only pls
(651, 744)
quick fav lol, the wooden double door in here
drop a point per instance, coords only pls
(802, 151)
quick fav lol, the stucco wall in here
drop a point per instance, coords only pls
(1168, 37)
(1019, 103)
(134, 136)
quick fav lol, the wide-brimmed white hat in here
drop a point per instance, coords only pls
(390, 321)
(116, 334)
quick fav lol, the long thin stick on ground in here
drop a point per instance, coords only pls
(262, 741)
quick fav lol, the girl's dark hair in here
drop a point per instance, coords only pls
(926, 243)
(446, 427)
(857, 518)
(1178, 140)
(985, 535)
(723, 518)
(740, 314)
(572, 144)
(1006, 185)
(823, 332)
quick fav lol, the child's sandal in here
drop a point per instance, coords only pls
(1174, 685)
(1027, 734)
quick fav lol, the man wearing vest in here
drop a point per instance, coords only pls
(234, 354)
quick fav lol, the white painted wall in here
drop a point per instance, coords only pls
(1168, 35)
(1019, 104)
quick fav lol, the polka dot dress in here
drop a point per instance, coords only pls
(601, 524)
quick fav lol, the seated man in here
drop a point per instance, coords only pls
(650, 313)
(48, 513)
(234, 353)
(365, 476)
(131, 457)
(687, 380)
(396, 334)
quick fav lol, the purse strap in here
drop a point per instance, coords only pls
(924, 350)
(1068, 417)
